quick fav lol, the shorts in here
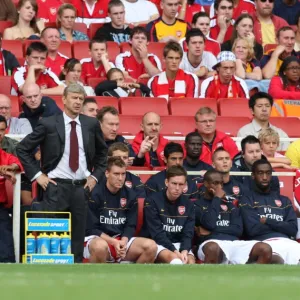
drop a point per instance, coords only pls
(236, 252)
(298, 233)
(287, 249)
(176, 245)
(111, 249)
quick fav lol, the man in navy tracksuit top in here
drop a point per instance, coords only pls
(170, 220)
(132, 181)
(192, 162)
(111, 221)
(219, 226)
(173, 155)
(270, 217)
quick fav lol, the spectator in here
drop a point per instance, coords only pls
(55, 60)
(269, 142)
(287, 10)
(139, 12)
(8, 61)
(260, 105)
(8, 11)
(173, 82)
(247, 67)
(149, 144)
(71, 74)
(97, 65)
(224, 84)
(297, 39)
(108, 117)
(205, 119)
(35, 71)
(114, 31)
(287, 84)
(243, 28)
(115, 86)
(272, 61)
(91, 11)
(187, 10)
(26, 26)
(221, 27)
(138, 63)
(196, 60)
(173, 156)
(293, 154)
(14, 125)
(90, 107)
(66, 16)
(266, 25)
(6, 144)
(167, 27)
(48, 9)
(35, 106)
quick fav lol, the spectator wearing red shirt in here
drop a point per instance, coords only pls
(48, 9)
(221, 27)
(55, 60)
(35, 71)
(224, 84)
(188, 9)
(97, 65)
(205, 119)
(138, 63)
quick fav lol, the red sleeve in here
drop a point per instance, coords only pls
(83, 74)
(231, 147)
(213, 33)
(9, 159)
(276, 90)
(191, 86)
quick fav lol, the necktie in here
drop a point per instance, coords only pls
(74, 151)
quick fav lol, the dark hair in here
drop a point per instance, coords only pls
(282, 69)
(112, 71)
(139, 30)
(36, 46)
(176, 171)
(46, 28)
(113, 3)
(115, 161)
(172, 46)
(209, 173)
(172, 148)
(283, 29)
(194, 32)
(217, 3)
(89, 100)
(3, 120)
(192, 134)
(260, 162)
(68, 67)
(220, 149)
(117, 146)
(259, 95)
(250, 139)
(96, 41)
(104, 110)
(236, 23)
(199, 15)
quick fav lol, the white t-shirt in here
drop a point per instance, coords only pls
(208, 61)
(139, 11)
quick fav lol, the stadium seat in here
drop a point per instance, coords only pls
(234, 107)
(231, 125)
(141, 105)
(177, 125)
(286, 185)
(14, 46)
(4, 25)
(113, 50)
(106, 101)
(15, 106)
(77, 26)
(93, 29)
(125, 47)
(290, 125)
(157, 49)
(158, 169)
(129, 125)
(93, 82)
(5, 85)
(269, 47)
(58, 100)
(189, 106)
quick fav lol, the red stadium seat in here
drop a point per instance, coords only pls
(58, 100)
(125, 47)
(189, 106)
(106, 101)
(141, 105)
(93, 82)
(231, 125)
(161, 168)
(234, 107)
(286, 185)
(5, 85)
(129, 125)
(15, 47)
(173, 125)
(4, 25)
(269, 47)
(113, 50)
(15, 106)
(93, 29)
(157, 49)
(290, 125)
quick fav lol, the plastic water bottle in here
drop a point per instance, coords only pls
(54, 243)
(65, 243)
(43, 243)
(30, 244)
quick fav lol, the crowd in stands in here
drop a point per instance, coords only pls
(161, 49)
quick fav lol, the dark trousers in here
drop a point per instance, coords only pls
(74, 199)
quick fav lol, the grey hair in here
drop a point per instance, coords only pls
(74, 88)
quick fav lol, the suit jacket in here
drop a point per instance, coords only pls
(49, 134)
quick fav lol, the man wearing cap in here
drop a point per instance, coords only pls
(224, 84)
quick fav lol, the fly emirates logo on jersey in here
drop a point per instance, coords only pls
(171, 226)
(112, 218)
(270, 215)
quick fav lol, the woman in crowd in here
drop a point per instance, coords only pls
(287, 84)
(26, 25)
(247, 67)
(115, 86)
(8, 11)
(66, 16)
(243, 28)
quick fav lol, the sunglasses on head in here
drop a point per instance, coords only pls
(270, 1)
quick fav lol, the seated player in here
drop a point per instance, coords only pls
(132, 181)
(224, 84)
(90, 107)
(173, 82)
(149, 144)
(192, 162)
(138, 63)
(111, 222)
(170, 220)
(97, 65)
(270, 217)
(173, 156)
(219, 226)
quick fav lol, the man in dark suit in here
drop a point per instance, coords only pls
(73, 159)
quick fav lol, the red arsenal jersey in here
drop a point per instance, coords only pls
(48, 9)
(215, 30)
(56, 65)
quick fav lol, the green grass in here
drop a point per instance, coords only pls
(105, 282)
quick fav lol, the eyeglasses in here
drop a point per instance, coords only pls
(270, 1)
(294, 68)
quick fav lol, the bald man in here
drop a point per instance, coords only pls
(35, 106)
(149, 144)
(14, 125)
